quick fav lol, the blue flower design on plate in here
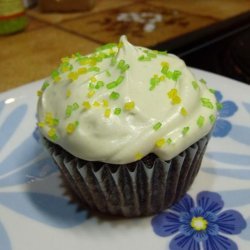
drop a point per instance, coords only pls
(199, 227)
(222, 126)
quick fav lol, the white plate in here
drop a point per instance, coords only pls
(35, 213)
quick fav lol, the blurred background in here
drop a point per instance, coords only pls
(213, 35)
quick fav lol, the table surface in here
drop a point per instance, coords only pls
(32, 54)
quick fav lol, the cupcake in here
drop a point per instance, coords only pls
(127, 126)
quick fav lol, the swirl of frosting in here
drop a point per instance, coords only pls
(123, 102)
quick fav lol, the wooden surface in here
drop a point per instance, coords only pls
(32, 54)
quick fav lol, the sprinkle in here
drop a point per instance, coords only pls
(108, 73)
(45, 85)
(185, 130)
(68, 93)
(122, 66)
(99, 84)
(164, 69)
(54, 74)
(195, 85)
(129, 105)
(120, 79)
(95, 69)
(64, 67)
(92, 79)
(207, 103)
(114, 95)
(200, 121)
(159, 143)
(154, 81)
(91, 85)
(96, 104)
(172, 93)
(169, 141)
(176, 75)
(39, 93)
(105, 103)
(107, 113)
(138, 156)
(203, 81)
(73, 76)
(55, 121)
(176, 100)
(165, 64)
(41, 124)
(115, 83)
(212, 118)
(82, 70)
(90, 93)
(65, 59)
(157, 126)
(143, 58)
(117, 111)
(71, 127)
(52, 134)
(183, 111)
(212, 91)
(169, 74)
(86, 105)
(162, 78)
(75, 106)
(106, 46)
(219, 106)
(68, 111)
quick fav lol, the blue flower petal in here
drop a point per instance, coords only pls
(210, 201)
(11, 123)
(35, 171)
(186, 229)
(222, 128)
(247, 106)
(200, 236)
(25, 152)
(230, 158)
(184, 205)
(165, 224)
(210, 217)
(49, 209)
(197, 211)
(182, 242)
(229, 108)
(231, 222)
(218, 95)
(185, 218)
(212, 229)
(241, 134)
(4, 239)
(219, 242)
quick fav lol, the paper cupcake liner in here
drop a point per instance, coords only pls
(142, 188)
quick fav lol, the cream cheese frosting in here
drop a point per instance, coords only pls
(123, 102)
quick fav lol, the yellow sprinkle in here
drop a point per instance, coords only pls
(176, 99)
(51, 132)
(73, 76)
(40, 124)
(96, 104)
(65, 59)
(39, 92)
(162, 78)
(105, 103)
(107, 113)
(164, 64)
(57, 79)
(120, 45)
(138, 156)
(129, 105)
(183, 111)
(159, 143)
(172, 93)
(68, 93)
(86, 105)
(90, 93)
(93, 79)
(70, 128)
(82, 71)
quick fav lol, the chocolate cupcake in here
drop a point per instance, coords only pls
(127, 126)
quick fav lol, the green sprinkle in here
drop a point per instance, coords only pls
(108, 73)
(219, 106)
(76, 123)
(54, 74)
(45, 85)
(212, 91)
(91, 85)
(106, 46)
(114, 95)
(195, 85)
(185, 130)
(169, 141)
(120, 79)
(207, 103)
(203, 81)
(176, 75)
(212, 118)
(95, 69)
(121, 63)
(169, 74)
(99, 84)
(111, 85)
(200, 121)
(154, 81)
(55, 121)
(75, 106)
(164, 70)
(69, 110)
(157, 126)
(117, 111)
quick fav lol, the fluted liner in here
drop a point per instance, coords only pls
(142, 188)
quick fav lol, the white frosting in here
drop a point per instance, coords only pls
(123, 138)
